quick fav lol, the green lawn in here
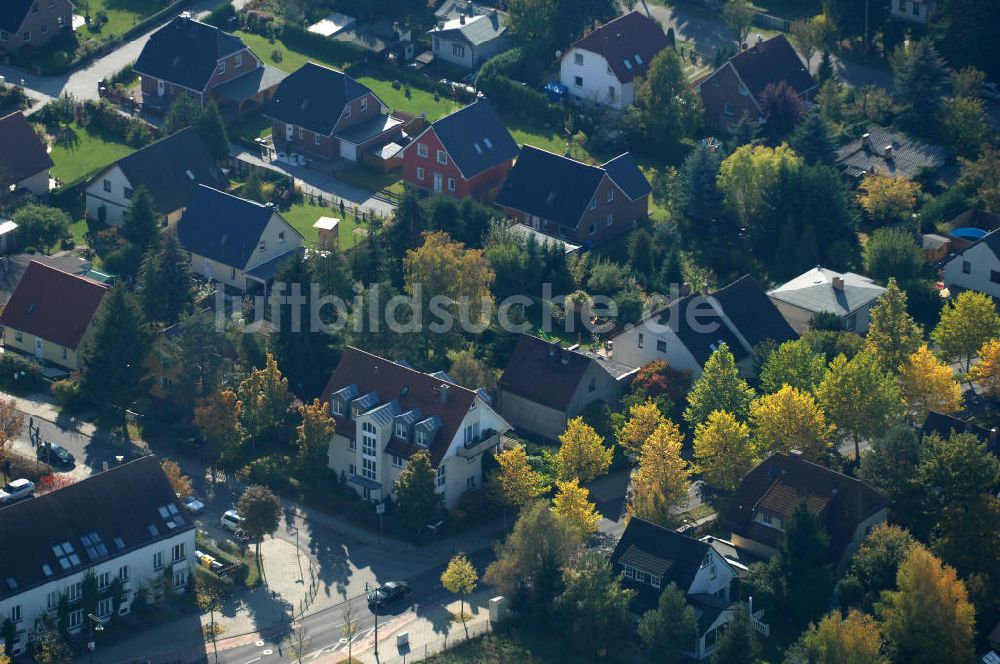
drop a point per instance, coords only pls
(78, 229)
(303, 215)
(372, 180)
(122, 15)
(78, 154)
(540, 137)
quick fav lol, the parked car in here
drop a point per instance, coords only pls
(194, 505)
(231, 521)
(16, 490)
(389, 593)
(989, 91)
(54, 455)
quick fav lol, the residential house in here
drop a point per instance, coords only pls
(735, 88)
(50, 313)
(24, 157)
(977, 267)
(386, 411)
(124, 524)
(881, 151)
(234, 241)
(574, 201)
(171, 169)
(913, 11)
(545, 385)
(189, 57)
(467, 153)
(13, 267)
(33, 23)
(10, 239)
(947, 425)
(469, 40)
(687, 331)
(648, 558)
(327, 115)
(528, 234)
(847, 508)
(602, 67)
(846, 295)
(449, 9)
(384, 38)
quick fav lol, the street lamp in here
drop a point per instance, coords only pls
(96, 625)
(380, 510)
(376, 617)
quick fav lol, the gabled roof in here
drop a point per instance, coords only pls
(680, 317)
(223, 227)
(781, 481)
(13, 267)
(12, 14)
(22, 152)
(186, 52)
(121, 506)
(475, 137)
(907, 158)
(945, 425)
(657, 550)
(548, 374)
(755, 317)
(411, 389)
(560, 188)
(314, 96)
(814, 291)
(474, 30)
(771, 61)
(54, 305)
(172, 168)
(629, 43)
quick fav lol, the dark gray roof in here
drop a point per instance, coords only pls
(223, 227)
(772, 61)
(682, 314)
(550, 186)
(625, 173)
(944, 425)
(12, 13)
(314, 96)
(907, 159)
(186, 52)
(172, 169)
(121, 506)
(753, 314)
(475, 31)
(369, 129)
(251, 84)
(455, 8)
(476, 138)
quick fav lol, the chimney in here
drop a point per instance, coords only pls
(444, 393)
(470, 8)
(461, 19)
(888, 152)
(838, 283)
(866, 140)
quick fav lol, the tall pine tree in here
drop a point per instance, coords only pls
(139, 225)
(212, 130)
(812, 140)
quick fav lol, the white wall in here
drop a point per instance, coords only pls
(598, 80)
(704, 584)
(273, 244)
(114, 201)
(34, 601)
(982, 261)
(628, 351)
(443, 49)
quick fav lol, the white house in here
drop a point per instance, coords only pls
(470, 40)
(602, 67)
(386, 411)
(977, 267)
(235, 241)
(124, 524)
(847, 295)
(915, 11)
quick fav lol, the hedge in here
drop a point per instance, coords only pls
(299, 39)
(518, 100)
(20, 375)
(221, 16)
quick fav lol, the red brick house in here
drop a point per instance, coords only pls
(325, 114)
(467, 153)
(735, 87)
(574, 201)
(187, 56)
(32, 23)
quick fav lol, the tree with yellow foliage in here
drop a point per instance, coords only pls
(722, 450)
(838, 640)
(929, 384)
(887, 198)
(661, 483)
(967, 322)
(643, 419)
(314, 436)
(790, 419)
(986, 372)
(521, 483)
(572, 504)
(582, 454)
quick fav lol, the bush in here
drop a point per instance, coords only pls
(103, 119)
(28, 467)
(520, 100)
(66, 391)
(222, 16)
(20, 375)
(316, 45)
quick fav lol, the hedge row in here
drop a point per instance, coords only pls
(300, 39)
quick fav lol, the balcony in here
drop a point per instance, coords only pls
(477, 446)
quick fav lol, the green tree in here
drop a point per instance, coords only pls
(520, 482)
(669, 631)
(812, 141)
(139, 223)
(722, 450)
(50, 649)
(860, 398)
(920, 77)
(953, 472)
(874, 567)
(114, 355)
(460, 577)
(666, 109)
(982, 177)
(469, 371)
(212, 130)
(836, 639)
(749, 174)
(890, 467)
(964, 125)
(594, 606)
(793, 363)
(196, 352)
(719, 388)
(40, 226)
(184, 111)
(967, 322)
(165, 282)
(417, 501)
(266, 400)
(893, 253)
(261, 512)
(738, 643)
(253, 189)
(701, 200)
(893, 336)
(738, 17)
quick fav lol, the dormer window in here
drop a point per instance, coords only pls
(239, 60)
(422, 438)
(770, 520)
(364, 104)
(337, 407)
(222, 68)
(401, 430)
(347, 111)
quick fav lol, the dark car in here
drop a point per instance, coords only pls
(55, 455)
(390, 593)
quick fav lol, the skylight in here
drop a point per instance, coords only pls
(11, 583)
(551, 197)
(119, 543)
(638, 59)
(190, 175)
(488, 142)
(478, 148)
(628, 64)
(153, 530)
(66, 555)
(94, 546)
(46, 569)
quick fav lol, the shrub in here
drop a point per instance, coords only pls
(316, 45)
(66, 391)
(20, 375)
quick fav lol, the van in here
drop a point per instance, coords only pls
(231, 521)
(16, 490)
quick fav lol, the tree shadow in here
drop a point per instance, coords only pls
(67, 137)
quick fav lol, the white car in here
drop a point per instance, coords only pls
(231, 521)
(16, 490)
(193, 505)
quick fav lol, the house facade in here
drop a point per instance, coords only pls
(124, 528)
(24, 157)
(470, 39)
(545, 385)
(465, 154)
(602, 67)
(325, 114)
(170, 169)
(913, 11)
(847, 295)
(234, 241)
(49, 315)
(386, 411)
(33, 23)
(573, 201)
(976, 267)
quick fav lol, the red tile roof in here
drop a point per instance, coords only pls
(624, 38)
(52, 304)
(22, 152)
(411, 388)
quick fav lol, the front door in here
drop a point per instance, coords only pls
(289, 133)
(160, 88)
(437, 183)
(208, 269)
(38, 348)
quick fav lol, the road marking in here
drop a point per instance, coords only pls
(255, 659)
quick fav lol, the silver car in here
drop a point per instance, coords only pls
(16, 490)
